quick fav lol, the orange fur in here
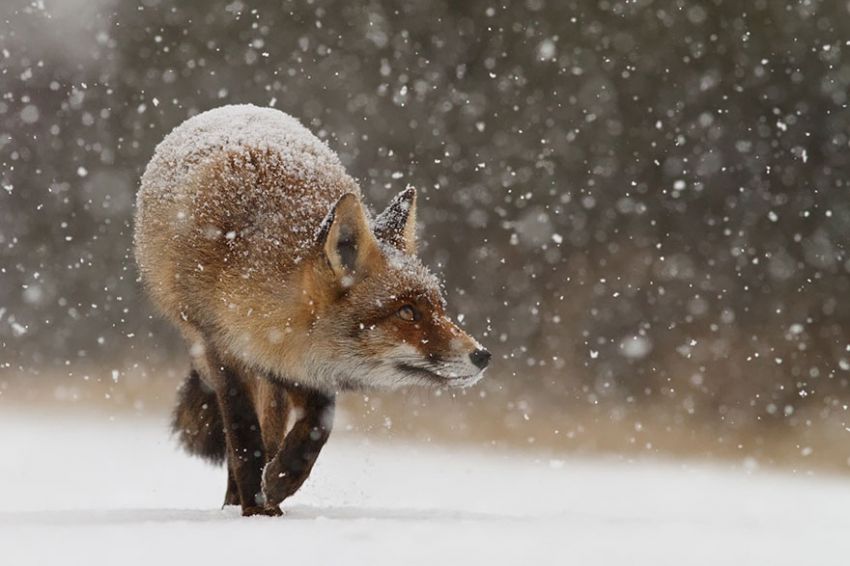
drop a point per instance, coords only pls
(232, 248)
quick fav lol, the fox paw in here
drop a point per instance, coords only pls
(277, 485)
(268, 511)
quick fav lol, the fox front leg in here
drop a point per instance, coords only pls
(293, 463)
(231, 496)
(244, 443)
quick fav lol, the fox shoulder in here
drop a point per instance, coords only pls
(239, 189)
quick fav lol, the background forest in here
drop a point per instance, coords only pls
(641, 207)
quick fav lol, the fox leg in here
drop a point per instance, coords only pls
(273, 408)
(242, 435)
(285, 473)
(231, 497)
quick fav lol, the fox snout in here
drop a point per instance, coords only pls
(457, 354)
(479, 359)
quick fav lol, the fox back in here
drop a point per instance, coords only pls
(251, 237)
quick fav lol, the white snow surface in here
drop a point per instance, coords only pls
(97, 490)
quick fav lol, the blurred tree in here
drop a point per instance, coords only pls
(638, 202)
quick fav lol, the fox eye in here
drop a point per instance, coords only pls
(408, 313)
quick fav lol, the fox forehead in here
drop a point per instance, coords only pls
(405, 278)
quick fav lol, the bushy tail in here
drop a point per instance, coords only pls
(197, 421)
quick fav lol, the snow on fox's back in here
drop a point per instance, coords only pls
(246, 158)
(236, 130)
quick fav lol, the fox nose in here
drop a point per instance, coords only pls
(480, 358)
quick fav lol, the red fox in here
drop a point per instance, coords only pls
(253, 240)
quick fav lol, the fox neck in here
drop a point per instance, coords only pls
(270, 330)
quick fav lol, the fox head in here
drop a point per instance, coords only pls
(377, 314)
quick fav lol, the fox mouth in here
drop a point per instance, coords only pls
(460, 380)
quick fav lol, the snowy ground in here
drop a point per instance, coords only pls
(87, 490)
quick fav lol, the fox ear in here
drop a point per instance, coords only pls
(397, 224)
(348, 243)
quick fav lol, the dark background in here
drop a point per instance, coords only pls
(641, 207)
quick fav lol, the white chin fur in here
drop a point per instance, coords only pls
(455, 374)
(390, 372)
(464, 382)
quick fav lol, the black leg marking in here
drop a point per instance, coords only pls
(291, 466)
(244, 443)
(231, 497)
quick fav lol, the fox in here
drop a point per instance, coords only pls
(253, 240)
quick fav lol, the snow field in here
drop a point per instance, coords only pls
(90, 490)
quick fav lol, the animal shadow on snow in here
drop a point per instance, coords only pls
(297, 512)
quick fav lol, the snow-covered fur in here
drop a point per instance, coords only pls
(253, 240)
